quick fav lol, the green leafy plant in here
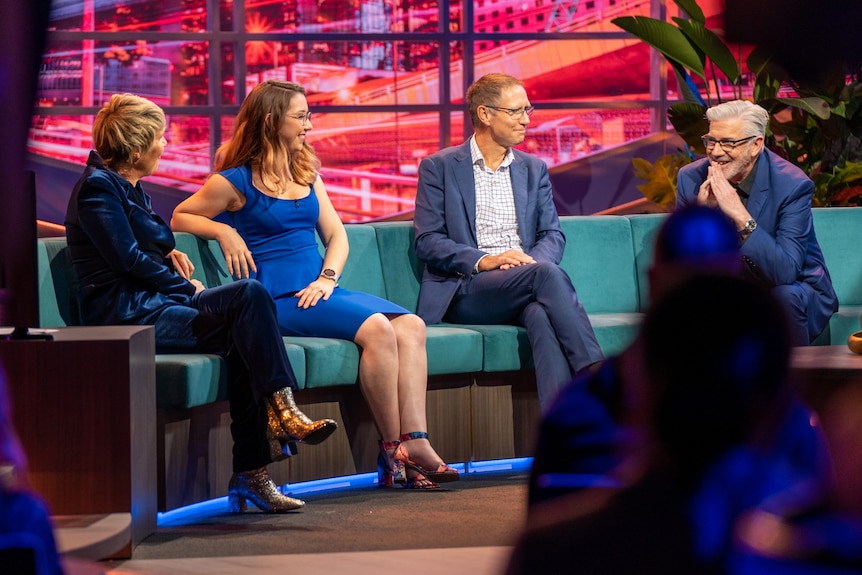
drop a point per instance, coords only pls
(660, 176)
(818, 127)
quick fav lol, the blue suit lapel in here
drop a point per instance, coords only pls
(518, 174)
(760, 186)
(466, 184)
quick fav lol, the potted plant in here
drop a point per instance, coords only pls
(816, 125)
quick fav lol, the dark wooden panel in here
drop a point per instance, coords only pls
(84, 407)
(448, 410)
(491, 404)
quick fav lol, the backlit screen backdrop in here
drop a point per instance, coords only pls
(386, 78)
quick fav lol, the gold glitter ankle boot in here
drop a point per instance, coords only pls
(257, 486)
(296, 425)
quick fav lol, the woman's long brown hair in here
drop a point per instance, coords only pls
(256, 138)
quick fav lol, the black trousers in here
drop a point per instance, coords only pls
(237, 321)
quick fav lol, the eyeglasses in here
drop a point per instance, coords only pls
(725, 145)
(304, 118)
(516, 113)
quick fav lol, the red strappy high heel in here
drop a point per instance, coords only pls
(443, 473)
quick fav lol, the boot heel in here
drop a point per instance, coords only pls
(280, 448)
(236, 503)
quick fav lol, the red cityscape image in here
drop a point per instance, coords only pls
(391, 57)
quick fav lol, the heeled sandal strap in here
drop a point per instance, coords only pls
(414, 435)
(420, 482)
(387, 445)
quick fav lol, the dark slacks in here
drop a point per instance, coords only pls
(238, 322)
(541, 298)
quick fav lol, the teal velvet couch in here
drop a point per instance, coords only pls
(481, 401)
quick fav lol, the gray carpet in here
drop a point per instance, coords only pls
(484, 509)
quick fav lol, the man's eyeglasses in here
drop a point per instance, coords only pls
(516, 113)
(726, 145)
(304, 118)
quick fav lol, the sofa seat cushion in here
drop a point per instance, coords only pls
(844, 322)
(331, 361)
(186, 380)
(506, 347)
(328, 361)
(453, 350)
(615, 331)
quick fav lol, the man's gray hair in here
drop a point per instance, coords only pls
(754, 117)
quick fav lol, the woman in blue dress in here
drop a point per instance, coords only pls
(268, 190)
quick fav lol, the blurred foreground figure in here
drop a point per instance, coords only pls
(26, 535)
(808, 530)
(709, 404)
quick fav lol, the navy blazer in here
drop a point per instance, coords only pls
(119, 249)
(783, 249)
(445, 222)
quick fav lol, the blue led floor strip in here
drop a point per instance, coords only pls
(213, 507)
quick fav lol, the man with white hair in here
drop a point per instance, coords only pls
(769, 201)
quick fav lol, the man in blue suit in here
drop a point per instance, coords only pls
(769, 200)
(489, 235)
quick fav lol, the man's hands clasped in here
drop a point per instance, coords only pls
(717, 192)
(504, 261)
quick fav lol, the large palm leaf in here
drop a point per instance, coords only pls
(664, 37)
(710, 46)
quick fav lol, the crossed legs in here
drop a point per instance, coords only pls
(540, 297)
(393, 372)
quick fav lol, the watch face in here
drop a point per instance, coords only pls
(329, 273)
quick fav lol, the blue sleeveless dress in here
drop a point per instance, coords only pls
(281, 236)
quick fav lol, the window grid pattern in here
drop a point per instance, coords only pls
(386, 79)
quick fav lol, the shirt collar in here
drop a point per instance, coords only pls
(748, 182)
(478, 159)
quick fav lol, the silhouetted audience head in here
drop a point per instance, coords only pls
(693, 240)
(716, 354)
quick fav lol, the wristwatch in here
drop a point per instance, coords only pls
(330, 274)
(749, 227)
